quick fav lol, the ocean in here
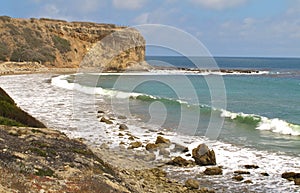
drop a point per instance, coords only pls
(246, 117)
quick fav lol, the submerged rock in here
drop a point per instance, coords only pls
(192, 184)
(213, 171)
(297, 181)
(204, 156)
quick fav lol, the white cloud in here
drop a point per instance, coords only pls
(218, 4)
(129, 4)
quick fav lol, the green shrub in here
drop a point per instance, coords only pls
(4, 51)
(5, 18)
(33, 38)
(61, 44)
(10, 122)
(44, 172)
(14, 30)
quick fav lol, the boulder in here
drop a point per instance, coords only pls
(204, 156)
(297, 181)
(238, 178)
(162, 140)
(192, 184)
(105, 120)
(213, 171)
(151, 147)
(290, 175)
(179, 161)
(123, 127)
(135, 144)
(251, 166)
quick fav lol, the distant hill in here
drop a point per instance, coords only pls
(12, 115)
(57, 43)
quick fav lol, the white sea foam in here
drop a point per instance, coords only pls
(182, 72)
(265, 124)
(57, 112)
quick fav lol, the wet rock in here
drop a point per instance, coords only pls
(248, 182)
(264, 174)
(101, 112)
(251, 166)
(145, 156)
(164, 152)
(122, 117)
(105, 120)
(192, 184)
(241, 172)
(213, 171)
(123, 127)
(297, 181)
(162, 140)
(179, 161)
(180, 148)
(151, 147)
(204, 156)
(135, 144)
(238, 178)
(290, 175)
(188, 154)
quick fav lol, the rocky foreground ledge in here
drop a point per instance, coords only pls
(45, 160)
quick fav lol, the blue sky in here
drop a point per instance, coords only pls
(226, 27)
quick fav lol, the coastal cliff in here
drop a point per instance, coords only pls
(59, 44)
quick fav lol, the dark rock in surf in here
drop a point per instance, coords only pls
(238, 178)
(213, 171)
(123, 127)
(151, 147)
(181, 162)
(164, 152)
(135, 144)
(204, 156)
(105, 120)
(290, 175)
(241, 172)
(264, 174)
(297, 181)
(251, 166)
(162, 140)
(192, 184)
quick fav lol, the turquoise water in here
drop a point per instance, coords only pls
(262, 111)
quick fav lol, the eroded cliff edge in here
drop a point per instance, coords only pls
(60, 44)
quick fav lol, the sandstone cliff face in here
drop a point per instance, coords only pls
(57, 43)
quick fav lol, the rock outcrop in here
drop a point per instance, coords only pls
(57, 43)
(204, 156)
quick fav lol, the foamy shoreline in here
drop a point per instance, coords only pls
(222, 155)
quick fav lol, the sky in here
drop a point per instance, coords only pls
(261, 28)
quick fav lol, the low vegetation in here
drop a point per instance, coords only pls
(12, 115)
